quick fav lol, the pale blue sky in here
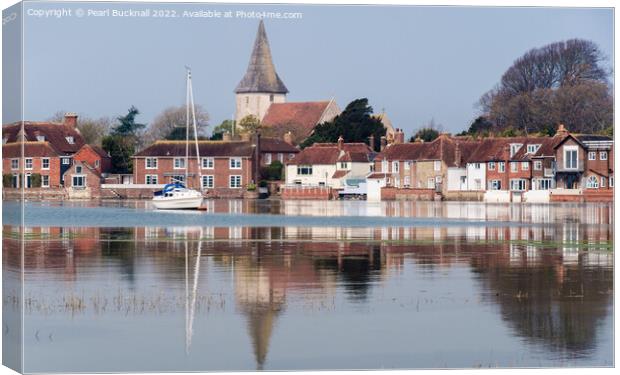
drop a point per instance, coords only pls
(416, 62)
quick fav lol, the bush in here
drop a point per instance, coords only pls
(273, 172)
(35, 180)
(251, 186)
(7, 180)
(262, 183)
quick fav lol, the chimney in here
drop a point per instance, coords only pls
(383, 142)
(561, 132)
(288, 138)
(340, 142)
(399, 137)
(457, 155)
(226, 137)
(371, 141)
(71, 119)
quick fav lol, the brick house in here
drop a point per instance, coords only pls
(226, 167)
(598, 170)
(42, 159)
(95, 156)
(82, 180)
(272, 149)
(64, 138)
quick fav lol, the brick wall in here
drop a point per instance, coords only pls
(88, 155)
(307, 193)
(53, 172)
(390, 194)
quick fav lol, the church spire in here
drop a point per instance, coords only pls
(261, 76)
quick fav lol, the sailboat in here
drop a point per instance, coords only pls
(176, 195)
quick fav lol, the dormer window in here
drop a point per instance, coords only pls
(514, 148)
(70, 140)
(40, 138)
(531, 149)
(78, 169)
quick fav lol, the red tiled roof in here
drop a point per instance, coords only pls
(377, 175)
(303, 115)
(206, 148)
(101, 152)
(442, 148)
(54, 133)
(340, 174)
(31, 149)
(329, 153)
(276, 145)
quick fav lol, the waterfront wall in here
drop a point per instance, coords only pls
(306, 193)
(397, 194)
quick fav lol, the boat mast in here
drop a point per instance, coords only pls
(188, 83)
(191, 98)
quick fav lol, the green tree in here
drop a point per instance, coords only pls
(123, 141)
(354, 124)
(428, 132)
(127, 125)
(218, 131)
(249, 124)
(481, 126)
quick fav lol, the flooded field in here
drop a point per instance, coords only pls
(116, 286)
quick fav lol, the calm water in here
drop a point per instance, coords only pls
(115, 286)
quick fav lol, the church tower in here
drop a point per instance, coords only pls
(261, 85)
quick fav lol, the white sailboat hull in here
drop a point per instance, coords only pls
(172, 203)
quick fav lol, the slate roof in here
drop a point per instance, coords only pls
(592, 137)
(31, 149)
(54, 133)
(328, 153)
(274, 145)
(206, 148)
(261, 74)
(303, 115)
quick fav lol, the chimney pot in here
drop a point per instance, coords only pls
(340, 142)
(71, 119)
(383, 143)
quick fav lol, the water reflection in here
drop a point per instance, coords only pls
(551, 285)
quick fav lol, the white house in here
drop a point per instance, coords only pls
(330, 164)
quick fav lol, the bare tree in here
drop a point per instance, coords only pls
(171, 122)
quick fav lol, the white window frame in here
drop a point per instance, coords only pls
(525, 166)
(306, 167)
(395, 166)
(408, 165)
(477, 165)
(491, 166)
(208, 181)
(234, 163)
(208, 163)
(70, 140)
(437, 165)
(592, 182)
(495, 185)
(267, 158)
(151, 179)
(40, 138)
(501, 167)
(514, 166)
(603, 155)
(73, 177)
(407, 182)
(235, 181)
(603, 182)
(384, 166)
(66, 161)
(430, 183)
(78, 169)
(538, 165)
(28, 164)
(592, 155)
(178, 163)
(45, 161)
(522, 184)
(151, 163)
(531, 149)
(566, 151)
(514, 148)
(14, 164)
(45, 180)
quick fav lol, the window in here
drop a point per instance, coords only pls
(603, 181)
(437, 165)
(491, 165)
(45, 181)
(408, 165)
(45, 163)
(407, 182)
(477, 184)
(40, 138)
(305, 170)
(542, 184)
(271, 98)
(179, 163)
(603, 155)
(513, 166)
(514, 148)
(592, 182)
(177, 178)
(476, 165)
(267, 158)
(531, 149)
(281, 158)
(78, 181)
(78, 169)
(384, 166)
(208, 163)
(15, 181)
(28, 163)
(151, 179)
(501, 167)
(430, 183)
(235, 163)
(570, 157)
(525, 166)
(70, 140)
(397, 182)
(151, 163)
(537, 165)
(14, 163)
(395, 166)
(611, 181)
(592, 155)
(518, 184)
(97, 163)
(207, 182)
(66, 161)
(235, 182)
(343, 165)
(495, 185)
